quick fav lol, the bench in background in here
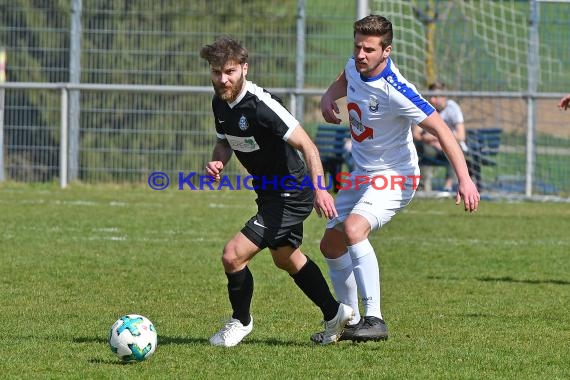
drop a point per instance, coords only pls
(483, 145)
(330, 140)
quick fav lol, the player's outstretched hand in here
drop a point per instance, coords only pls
(329, 109)
(214, 169)
(324, 204)
(470, 195)
(564, 102)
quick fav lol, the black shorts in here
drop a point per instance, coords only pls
(279, 221)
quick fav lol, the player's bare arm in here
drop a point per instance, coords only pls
(220, 156)
(467, 189)
(324, 202)
(564, 102)
(336, 90)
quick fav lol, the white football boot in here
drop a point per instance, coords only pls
(231, 334)
(334, 327)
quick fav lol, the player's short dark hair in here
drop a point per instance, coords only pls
(436, 86)
(375, 25)
(223, 50)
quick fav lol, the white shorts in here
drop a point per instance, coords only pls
(376, 196)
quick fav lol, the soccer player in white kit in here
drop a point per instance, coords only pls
(382, 107)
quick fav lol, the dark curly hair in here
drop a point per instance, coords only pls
(225, 49)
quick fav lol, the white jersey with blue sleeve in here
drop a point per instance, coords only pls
(381, 112)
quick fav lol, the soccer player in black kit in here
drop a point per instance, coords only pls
(265, 138)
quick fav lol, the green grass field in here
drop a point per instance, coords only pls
(465, 296)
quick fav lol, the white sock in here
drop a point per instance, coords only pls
(342, 278)
(367, 276)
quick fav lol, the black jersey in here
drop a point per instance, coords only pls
(257, 126)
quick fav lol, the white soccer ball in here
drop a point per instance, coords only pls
(133, 338)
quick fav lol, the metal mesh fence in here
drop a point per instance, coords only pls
(32, 137)
(123, 136)
(552, 170)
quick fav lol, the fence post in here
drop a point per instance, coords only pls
(300, 61)
(533, 54)
(2, 99)
(74, 77)
(63, 139)
(362, 9)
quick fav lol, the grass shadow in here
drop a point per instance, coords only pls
(109, 362)
(175, 340)
(90, 339)
(505, 279)
(523, 281)
(267, 342)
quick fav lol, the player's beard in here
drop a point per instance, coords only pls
(229, 94)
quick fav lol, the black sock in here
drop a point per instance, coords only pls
(311, 281)
(240, 292)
